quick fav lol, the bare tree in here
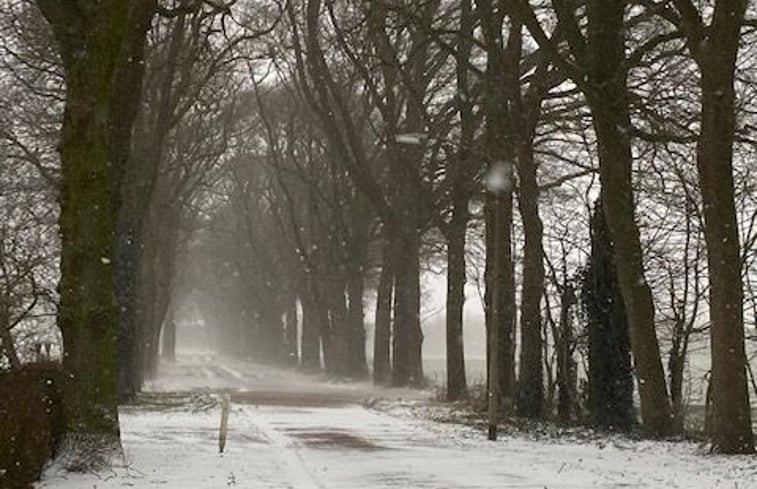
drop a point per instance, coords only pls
(598, 65)
(101, 48)
(715, 48)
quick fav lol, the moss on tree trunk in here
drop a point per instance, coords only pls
(98, 44)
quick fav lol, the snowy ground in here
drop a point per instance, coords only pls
(292, 432)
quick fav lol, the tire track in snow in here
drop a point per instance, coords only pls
(289, 454)
(227, 371)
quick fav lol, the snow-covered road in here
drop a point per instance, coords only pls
(291, 431)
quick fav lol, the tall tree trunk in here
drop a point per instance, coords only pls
(566, 366)
(407, 337)
(609, 102)
(402, 216)
(531, 378)
(158, 311)
(101, 47)
(684, 321)
(321, 317)
(456, 384)
(311, 335)
(292, 339)
(140, 176)
(270, 337)
(461, 194)
(151, 354)
(161, 234)
(147, 304)
(731, 412)
(340, 329)
(168, 337)
(676, 364)
(405, 158)
(356, 323)
(331, 324)
(7, 345)
(128, 284)
(157, 273)
(382, 367)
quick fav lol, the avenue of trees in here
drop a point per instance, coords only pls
(284, 167)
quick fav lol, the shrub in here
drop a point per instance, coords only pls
(31, 422)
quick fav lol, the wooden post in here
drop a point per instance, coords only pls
(224, 422)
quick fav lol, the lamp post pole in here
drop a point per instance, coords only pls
(499, 185)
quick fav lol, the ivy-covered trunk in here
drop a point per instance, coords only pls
(610, 371)
(608, 98)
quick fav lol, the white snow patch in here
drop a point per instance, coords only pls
(410, 138)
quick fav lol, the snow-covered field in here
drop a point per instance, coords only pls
(292, 431)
